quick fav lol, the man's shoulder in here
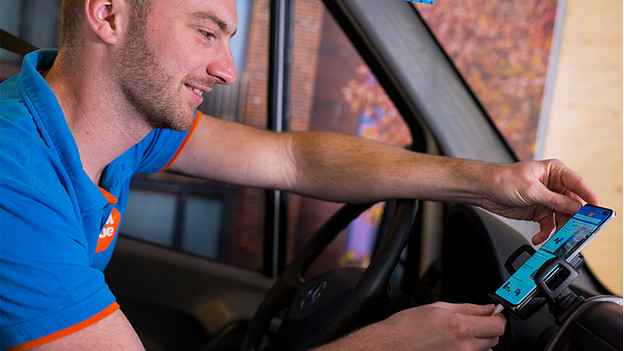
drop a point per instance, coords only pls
(9, 90)
(24, 140)
(27, 94)
(13, 111)
(24, 154)
(18, 130)
(11, 102)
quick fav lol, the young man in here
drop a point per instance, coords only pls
(118, 99)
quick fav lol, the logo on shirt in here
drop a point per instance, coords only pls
(110, 230)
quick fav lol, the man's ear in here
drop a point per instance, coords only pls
(107, 18)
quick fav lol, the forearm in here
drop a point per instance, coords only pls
(352, 169)
(324, 165)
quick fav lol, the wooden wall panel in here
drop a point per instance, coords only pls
(585, 123)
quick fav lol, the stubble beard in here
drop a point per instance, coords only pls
(146, 85)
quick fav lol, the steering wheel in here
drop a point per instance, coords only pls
(333, 303)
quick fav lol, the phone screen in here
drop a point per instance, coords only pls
(565, 243)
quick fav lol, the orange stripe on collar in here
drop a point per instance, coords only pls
(111, 199)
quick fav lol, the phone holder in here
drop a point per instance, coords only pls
(550, 287)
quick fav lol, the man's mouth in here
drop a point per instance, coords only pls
(197, 91)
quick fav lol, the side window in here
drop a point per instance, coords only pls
(333, 90)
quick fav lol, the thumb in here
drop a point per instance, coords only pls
(560, 202)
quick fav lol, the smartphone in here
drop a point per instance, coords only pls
(566, 243)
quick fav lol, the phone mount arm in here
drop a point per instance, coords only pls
(559, 304)
(550, 285)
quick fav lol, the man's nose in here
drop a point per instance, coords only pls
(222, 67)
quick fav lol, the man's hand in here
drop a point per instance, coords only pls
(547, 192)
(444, 326)
(438, 326)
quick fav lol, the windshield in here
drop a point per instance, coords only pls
(502, 51)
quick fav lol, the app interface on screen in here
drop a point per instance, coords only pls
(571, 235)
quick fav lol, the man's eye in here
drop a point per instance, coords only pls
(208, 35)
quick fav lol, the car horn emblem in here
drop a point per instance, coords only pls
(313, 294)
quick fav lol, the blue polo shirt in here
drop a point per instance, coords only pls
(57, 228)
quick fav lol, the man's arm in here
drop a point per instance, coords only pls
(438, 326)
(236, 154)
(350, 169)
(330, 166)
(111, 333)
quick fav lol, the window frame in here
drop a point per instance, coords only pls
(278, 117)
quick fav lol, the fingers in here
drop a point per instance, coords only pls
(577, 185)
(570, 190)
(564, 193)
(486, 344)
(479, 318)
(483, 324)
(489, 326)
(475, 325)
(548, 225)
(450, 326)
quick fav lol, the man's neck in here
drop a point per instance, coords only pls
(102, 124)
